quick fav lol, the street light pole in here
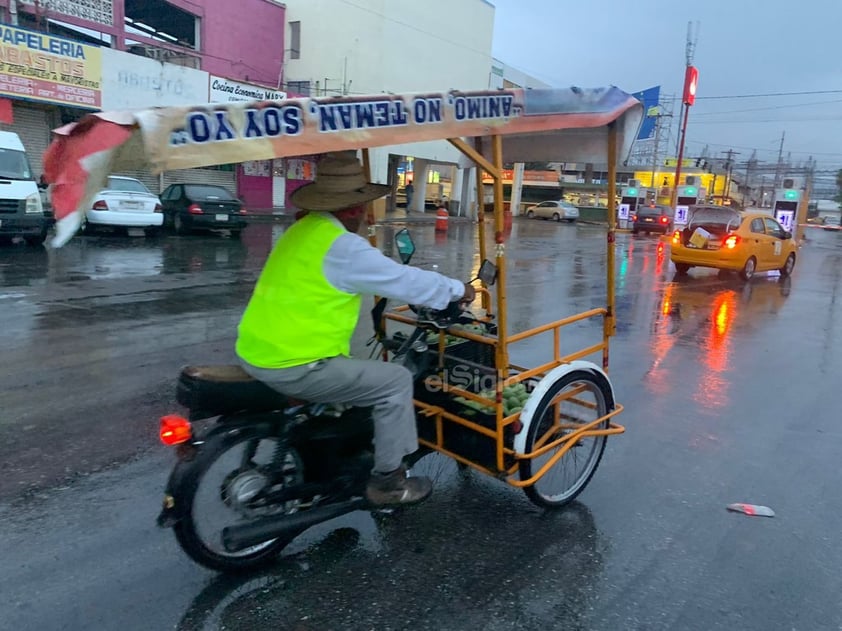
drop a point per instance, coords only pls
(685, 116)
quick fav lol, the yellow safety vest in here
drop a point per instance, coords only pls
(295, 316)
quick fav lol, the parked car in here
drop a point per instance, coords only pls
(21, 211)
(557, 210)
(726, 239)
(124, 203)
(652, 218)
(189, 207)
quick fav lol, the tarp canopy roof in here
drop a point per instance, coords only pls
(562, 125)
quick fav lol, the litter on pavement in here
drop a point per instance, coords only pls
(752, 510)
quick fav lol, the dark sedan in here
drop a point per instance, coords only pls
(190, 207)
(652, 218)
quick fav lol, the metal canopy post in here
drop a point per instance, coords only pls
(483, 254)
(499, 240)
(372, 233)
(369, 207)
(482, 164)
(610, 324)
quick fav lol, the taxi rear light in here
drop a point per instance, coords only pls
(676, 237)
(174, 430)
(732, 241)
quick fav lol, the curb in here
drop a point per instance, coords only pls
(421, 218)
(418, 218)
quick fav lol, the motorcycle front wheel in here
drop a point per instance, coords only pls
(226, 487)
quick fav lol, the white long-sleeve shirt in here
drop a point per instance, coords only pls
(354, 266)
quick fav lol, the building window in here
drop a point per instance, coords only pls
(299, 87)
(295, 40)
(161, 21)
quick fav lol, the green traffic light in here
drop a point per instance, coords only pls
(690, 190)
(631, 191)
(790, 194)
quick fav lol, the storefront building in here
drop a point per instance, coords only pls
(45, 81)
(375, 47)
(63, 59)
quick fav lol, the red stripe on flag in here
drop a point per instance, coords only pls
(63, 159)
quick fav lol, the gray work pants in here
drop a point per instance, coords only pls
(360, 383)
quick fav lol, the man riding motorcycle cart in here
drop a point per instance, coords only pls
(295, 334)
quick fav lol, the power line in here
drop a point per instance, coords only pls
(769, 94)
(714, 144)
(771, 107)
(413, 27)
(753, 121)
(762, 95)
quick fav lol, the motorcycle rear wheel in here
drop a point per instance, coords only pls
(204, 545)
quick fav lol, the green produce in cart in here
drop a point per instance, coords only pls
(514, 399)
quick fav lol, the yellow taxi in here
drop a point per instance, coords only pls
(723, 238)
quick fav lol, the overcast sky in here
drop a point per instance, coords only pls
(744, 47)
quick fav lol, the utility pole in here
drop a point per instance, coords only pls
(657, 146)
(749, 164)
(726, 189)
(687, 100)
(655, 150)
(780, 162)
(801, 218)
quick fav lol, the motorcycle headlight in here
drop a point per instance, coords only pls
(33, 204)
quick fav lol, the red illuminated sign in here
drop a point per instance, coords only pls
(691, 80)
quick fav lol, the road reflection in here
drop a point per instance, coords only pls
(475, 570)
(702, 315)
(105, 257)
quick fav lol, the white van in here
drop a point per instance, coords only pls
(21, 210)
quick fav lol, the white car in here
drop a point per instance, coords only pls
(126, 203)
(557, 210)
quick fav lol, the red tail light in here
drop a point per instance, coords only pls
(195, 209)
(665, 220)
(732, 241)
(676, 237)
(159, 208)
(243, 211)
(175, 429)
(100, 205)
(634, 217)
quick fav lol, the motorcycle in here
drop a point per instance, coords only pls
(278, 465)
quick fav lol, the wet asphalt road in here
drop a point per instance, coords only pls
(727, 388)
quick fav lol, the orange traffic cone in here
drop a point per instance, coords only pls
(441, 220)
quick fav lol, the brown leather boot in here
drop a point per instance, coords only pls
(396, 489)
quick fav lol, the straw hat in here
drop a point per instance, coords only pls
(340, 183)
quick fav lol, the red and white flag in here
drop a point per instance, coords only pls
(76, 164)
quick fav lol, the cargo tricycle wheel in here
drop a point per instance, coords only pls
(576, 399)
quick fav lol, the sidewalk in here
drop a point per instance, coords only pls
(279, 215)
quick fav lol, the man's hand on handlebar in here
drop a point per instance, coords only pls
(469, 295)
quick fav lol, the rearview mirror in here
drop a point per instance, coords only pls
(405, 244)
(488, 273)
(787, 234)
